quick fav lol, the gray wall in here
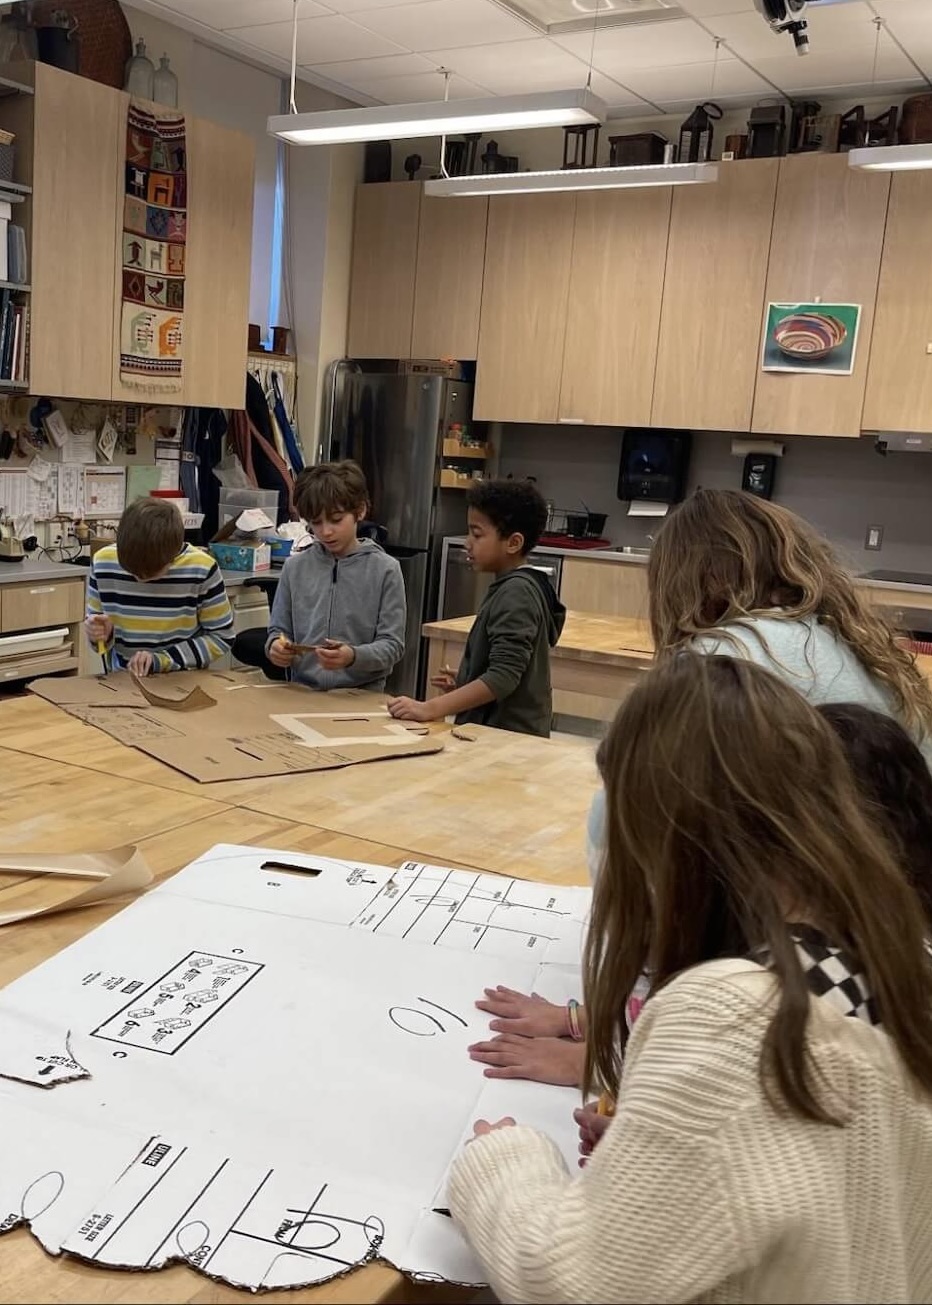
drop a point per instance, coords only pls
(839, 485)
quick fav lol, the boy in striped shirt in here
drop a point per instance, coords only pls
(157, 603)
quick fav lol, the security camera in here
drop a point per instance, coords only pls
(784, 16)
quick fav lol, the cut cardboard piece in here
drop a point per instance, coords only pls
(120, 870)
(231, 1018)
(256, 730)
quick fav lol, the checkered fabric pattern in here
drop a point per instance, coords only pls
(833, 975)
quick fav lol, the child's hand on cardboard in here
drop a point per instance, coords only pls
(141, 664)
(482, 1126)
(411, 709)
(531, 1017)
(335, 656)
(282, 652)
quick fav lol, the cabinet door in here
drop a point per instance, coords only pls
(827, 240)
(78, 164)
(899, 373)
(218, 258)
(448, 286)
(712, 296)
(381, 307)
(522, 327)
(613, 314)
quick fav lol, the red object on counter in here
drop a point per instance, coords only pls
(573, 541)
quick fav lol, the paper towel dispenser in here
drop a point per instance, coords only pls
(654, 465)
(896, 441)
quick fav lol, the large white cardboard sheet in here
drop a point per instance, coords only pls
(273, 1071)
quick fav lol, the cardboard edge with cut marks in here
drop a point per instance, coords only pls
(120, 870)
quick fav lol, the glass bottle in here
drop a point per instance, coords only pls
(140, 73)
(165, 87)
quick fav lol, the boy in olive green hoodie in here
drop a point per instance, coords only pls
(504, 677)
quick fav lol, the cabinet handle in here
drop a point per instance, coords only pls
(572, 421)
(43, 589)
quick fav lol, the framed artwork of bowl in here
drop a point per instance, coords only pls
(819, 338)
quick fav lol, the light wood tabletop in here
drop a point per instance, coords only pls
(502, 802)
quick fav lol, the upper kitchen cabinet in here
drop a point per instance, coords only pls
(613, 310)
(221, 183)
(522, 326)
(448, 285)
(70, 146)
(828, 235)
(899, 375)
(385, 250)
(716, 269)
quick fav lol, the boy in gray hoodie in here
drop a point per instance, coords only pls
(338, 618)
(504, 677)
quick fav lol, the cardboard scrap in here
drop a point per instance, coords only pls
(194, 700)
(256, 730)
(197, 1013)
(121, 870)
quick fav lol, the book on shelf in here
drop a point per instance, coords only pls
(17, 259)
(14, 338)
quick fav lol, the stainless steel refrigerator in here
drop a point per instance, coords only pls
(393, 426)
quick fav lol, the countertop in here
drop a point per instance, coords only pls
(38, 570)
(641, 559)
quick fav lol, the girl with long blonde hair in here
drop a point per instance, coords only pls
(773, 1135)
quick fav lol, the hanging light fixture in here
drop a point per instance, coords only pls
(889, 158)
(526, 183)
(434, 118)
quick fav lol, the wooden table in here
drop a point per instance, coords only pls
(599, 656)
(503, 802)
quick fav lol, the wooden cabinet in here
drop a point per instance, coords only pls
(605, 589)
(219, 254)
(70, 142)
(828, 234)
(522, 327)
(448, 283)
(613, 309)
(385, 241)
(716, 269)
(899, 375)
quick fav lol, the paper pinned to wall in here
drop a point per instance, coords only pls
(71, 489)
(104, 491)
(81, 446)
(21, 495)
(141, 481)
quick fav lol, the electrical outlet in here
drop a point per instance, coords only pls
(873, 540)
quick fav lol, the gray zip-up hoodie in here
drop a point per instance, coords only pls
(358, 599)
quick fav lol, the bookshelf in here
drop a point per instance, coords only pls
(16, 102)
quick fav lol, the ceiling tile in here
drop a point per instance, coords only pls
(709, 8)
(355, 72)
(654, 45)
(694, 82)
(354, 6)
(823, 73)
(412, 89)
(450, 23)
(515, 67)
(320, 40)
(225, 14)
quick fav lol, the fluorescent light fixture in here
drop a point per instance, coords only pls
(525, 183)
(891, 158)
(439, 118)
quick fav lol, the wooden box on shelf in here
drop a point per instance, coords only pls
(450, 478)
(454, 449)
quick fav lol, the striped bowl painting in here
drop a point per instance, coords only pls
(809, 335)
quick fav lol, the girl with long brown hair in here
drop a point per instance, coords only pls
(773, 1137)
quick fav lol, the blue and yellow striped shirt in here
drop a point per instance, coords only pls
(184, 618)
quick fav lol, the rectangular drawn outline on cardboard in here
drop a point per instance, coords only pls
(186, 963)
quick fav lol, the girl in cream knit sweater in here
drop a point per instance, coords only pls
(773, 1139)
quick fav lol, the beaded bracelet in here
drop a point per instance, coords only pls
(572, 1019)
